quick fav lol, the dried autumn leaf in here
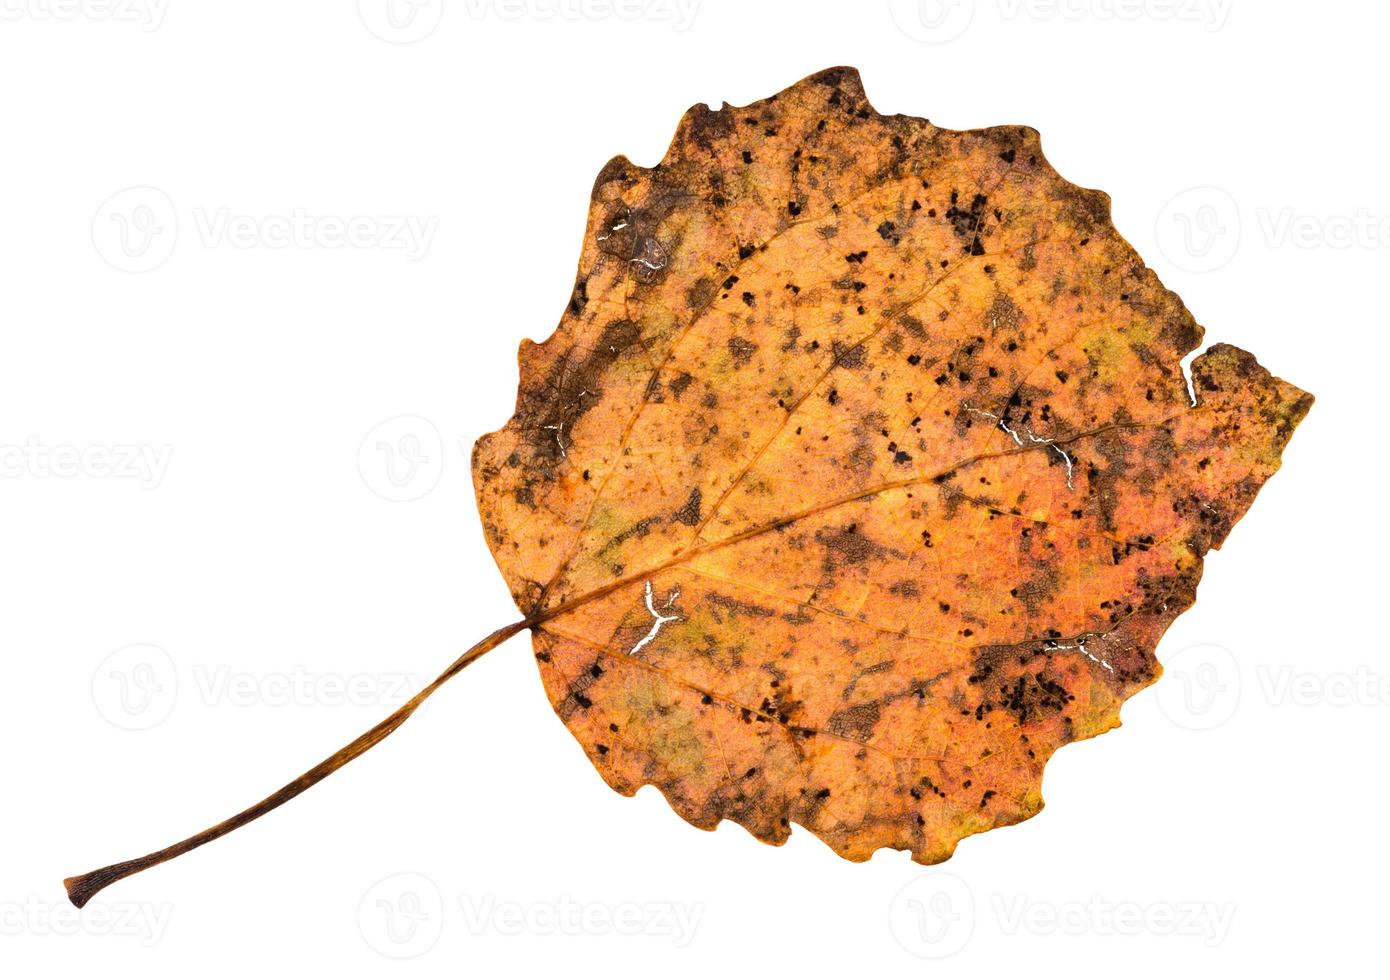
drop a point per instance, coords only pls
(860, 475)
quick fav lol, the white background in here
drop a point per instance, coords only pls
(278, 601)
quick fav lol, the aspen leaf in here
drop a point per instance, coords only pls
(860, 475)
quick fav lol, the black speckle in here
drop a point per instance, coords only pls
(742, 350)
(689, 514)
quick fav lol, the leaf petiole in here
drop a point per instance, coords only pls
(82, 887)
